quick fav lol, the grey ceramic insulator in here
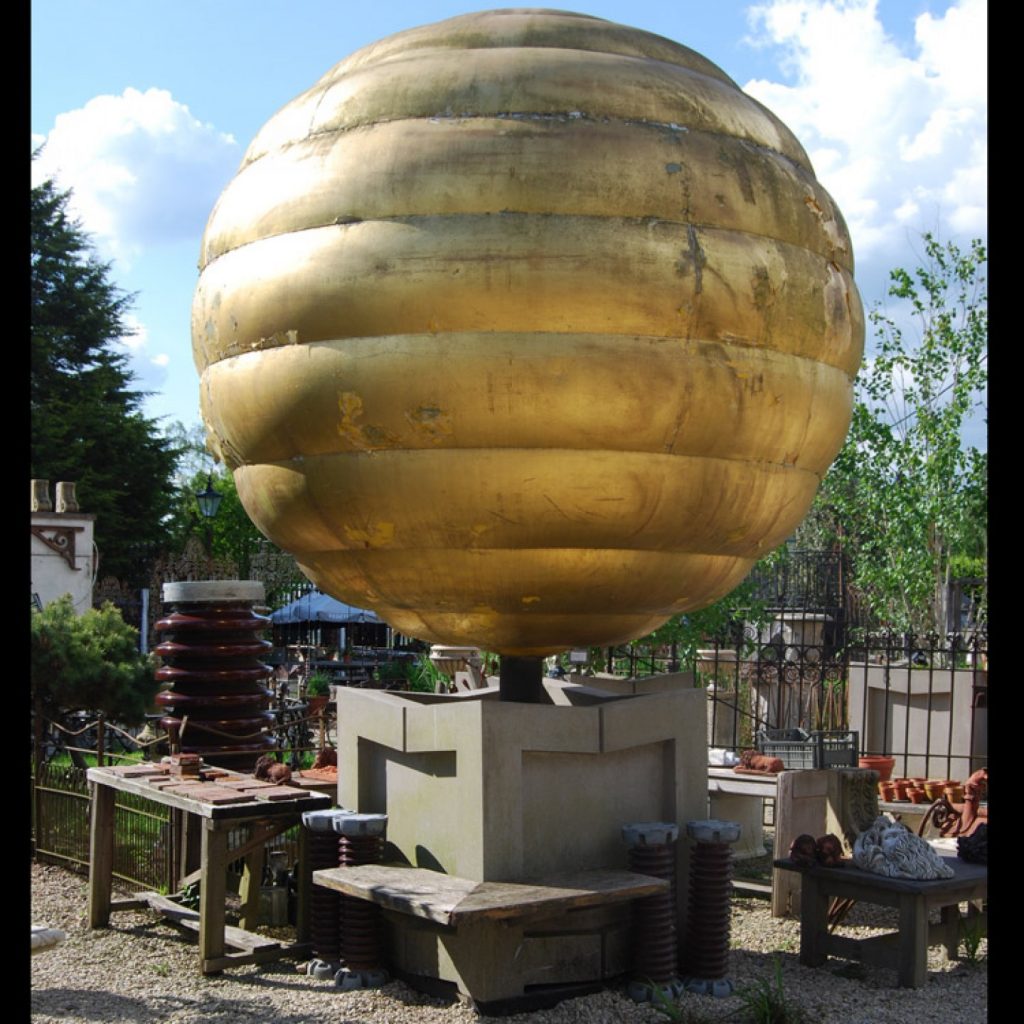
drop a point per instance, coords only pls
(348, 980)
(213, 591)
(650, 833)
(713, 831)
(644, 992)
(719, 988)
(322, 969)
(353, 824)
(323, 821)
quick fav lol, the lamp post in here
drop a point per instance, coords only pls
(209, 501)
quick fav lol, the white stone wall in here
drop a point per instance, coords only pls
(63, 557)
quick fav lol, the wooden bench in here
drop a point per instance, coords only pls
(452, 901)
(480, 935)
(905, 949)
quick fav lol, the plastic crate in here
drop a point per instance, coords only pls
(816, 749)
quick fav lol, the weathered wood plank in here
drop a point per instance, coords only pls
(128, 904)
(256, 956)
(235, 938)
(305, 801)
(449, 900)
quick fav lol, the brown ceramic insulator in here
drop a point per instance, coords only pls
(361, 934)
(354, 850)
(361, 927)
(323, 902)
(707, 920)
(653, 934)
(211, 654)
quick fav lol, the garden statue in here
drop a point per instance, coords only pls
(527, 330)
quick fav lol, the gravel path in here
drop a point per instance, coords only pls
(142, 971)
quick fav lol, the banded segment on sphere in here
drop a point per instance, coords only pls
(522, 163)
(592, 392)
(541, 82)
(565, 596)
(523, 497)
(514, 27)
(515, 272)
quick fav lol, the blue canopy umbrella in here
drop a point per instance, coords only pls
(318, 607)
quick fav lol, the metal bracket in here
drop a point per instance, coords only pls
(60, 539)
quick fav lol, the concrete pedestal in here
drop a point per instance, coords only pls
(492, 790)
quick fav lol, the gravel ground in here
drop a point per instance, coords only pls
(143, 971)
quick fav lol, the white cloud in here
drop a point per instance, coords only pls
(142, 169)
(896, 134)
(137, 335)
(149, 372)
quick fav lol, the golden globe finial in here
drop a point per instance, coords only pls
(527, 330)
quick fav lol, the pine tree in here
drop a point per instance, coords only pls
(87, 424)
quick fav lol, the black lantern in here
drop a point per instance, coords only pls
(209, 500)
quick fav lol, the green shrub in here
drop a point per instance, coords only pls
(318, 684)
(89, 662)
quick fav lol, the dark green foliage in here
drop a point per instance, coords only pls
(89, 662)
(87, 426)
(318, 685)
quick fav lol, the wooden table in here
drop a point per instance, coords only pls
(907, 948)
(264, 818)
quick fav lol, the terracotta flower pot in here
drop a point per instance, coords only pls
(933, 788)
(917, 795)
(880, 764)
(887, 791)
(901, 788)
(317, 703)
(954, 794)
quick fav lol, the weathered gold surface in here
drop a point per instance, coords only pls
(527, 330)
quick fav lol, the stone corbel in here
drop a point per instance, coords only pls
(60, 539)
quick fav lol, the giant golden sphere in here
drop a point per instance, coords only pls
(527, 330)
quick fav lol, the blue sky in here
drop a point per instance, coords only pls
(147, 107)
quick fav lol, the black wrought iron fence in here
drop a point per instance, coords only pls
(922, 699)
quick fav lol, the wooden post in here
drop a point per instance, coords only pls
(813, 923)
(252, 883)
(800, 807)
(303, 889)
(913, 948)
(101, 854)
(213, 890)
